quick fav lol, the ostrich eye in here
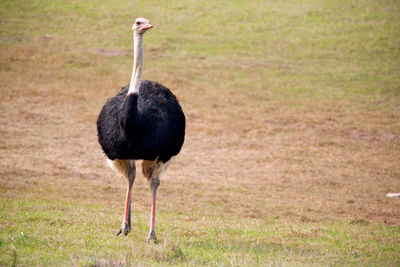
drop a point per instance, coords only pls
(138, 22)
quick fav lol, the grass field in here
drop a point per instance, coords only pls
(293, 133)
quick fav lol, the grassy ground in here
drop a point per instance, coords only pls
(293, 133)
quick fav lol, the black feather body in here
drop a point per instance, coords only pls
(146, 125)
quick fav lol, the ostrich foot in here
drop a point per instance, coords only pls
(125, 229)
(152, 237)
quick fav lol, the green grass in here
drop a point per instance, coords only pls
(58, 232)
(338, 49)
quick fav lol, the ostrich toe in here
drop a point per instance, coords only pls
(152, 237)
(125, 229)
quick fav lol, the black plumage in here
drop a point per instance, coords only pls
(147, 125)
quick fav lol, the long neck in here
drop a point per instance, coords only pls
(137, 63)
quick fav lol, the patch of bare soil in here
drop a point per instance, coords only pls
(108, 52)
(241, 159)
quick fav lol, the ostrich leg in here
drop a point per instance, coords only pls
(130, 175)
(152, 171)
(154, 183)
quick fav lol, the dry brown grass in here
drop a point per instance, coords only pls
(245, 154)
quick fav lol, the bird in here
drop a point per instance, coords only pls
(143, 121)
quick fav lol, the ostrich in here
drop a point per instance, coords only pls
(143, 121)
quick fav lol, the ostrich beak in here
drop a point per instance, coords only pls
(146, 27)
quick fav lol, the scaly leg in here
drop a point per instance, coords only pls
(154, 183)
(152, 171)
(130, 175)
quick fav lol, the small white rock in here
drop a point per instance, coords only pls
(393, 194)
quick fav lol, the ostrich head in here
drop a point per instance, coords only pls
(141, 25)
